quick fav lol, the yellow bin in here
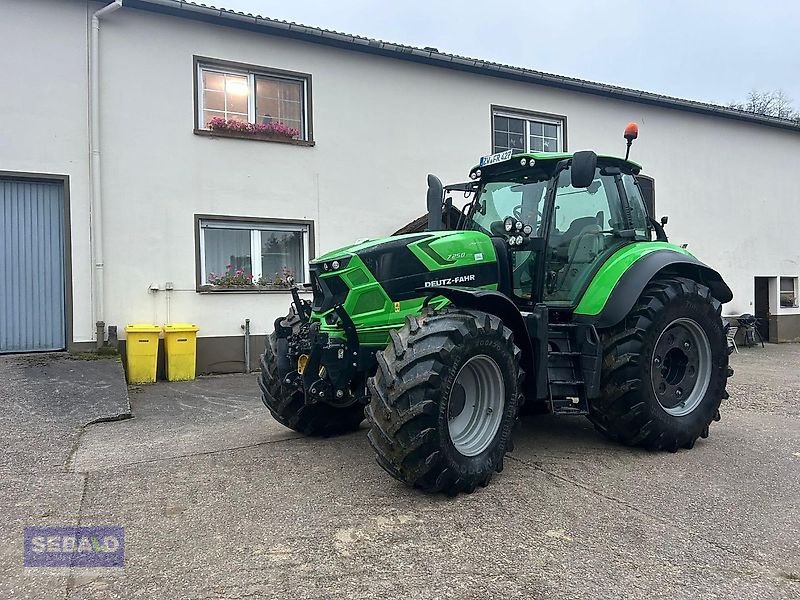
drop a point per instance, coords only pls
(180, 341)
(141, 351)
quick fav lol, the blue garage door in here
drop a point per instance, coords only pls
(32, 307)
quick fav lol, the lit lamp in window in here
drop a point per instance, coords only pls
(236, 88)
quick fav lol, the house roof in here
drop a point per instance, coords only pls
(431, 56)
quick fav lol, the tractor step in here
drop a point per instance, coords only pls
(569, 411)
(573, 382)
(565, 368)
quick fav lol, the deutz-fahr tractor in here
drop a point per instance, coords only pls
(553, 291)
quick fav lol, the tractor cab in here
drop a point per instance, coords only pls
(557, 228)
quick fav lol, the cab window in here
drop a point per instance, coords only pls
(639, 219)
(584, 230)
(519, 199)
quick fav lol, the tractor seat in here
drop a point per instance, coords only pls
(574, 231)
(585, 246)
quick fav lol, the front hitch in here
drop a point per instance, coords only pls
(331, 365)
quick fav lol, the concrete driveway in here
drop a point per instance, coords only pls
(219, 501)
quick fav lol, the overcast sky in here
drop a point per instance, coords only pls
(715, 51)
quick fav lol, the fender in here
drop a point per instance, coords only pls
(493, 302)
(619, 300)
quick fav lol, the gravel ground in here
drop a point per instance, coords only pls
(220, 501)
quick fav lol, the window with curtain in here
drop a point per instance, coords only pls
(235, 252)
(252, 95)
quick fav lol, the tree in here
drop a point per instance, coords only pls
(772, 104)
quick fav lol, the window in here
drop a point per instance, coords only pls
(638, 212)
(235, 252)
(527, 132)
(252, 95)
(581, 233)
(523, 199)
(647, 185)
(788, 292)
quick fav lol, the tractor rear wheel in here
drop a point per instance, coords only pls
(444, 400)
(289, 408)
(665, 368)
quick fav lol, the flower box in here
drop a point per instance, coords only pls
(242, 288)
(266, 131)
(238, 280)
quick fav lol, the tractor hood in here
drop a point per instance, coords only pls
(376, 276)
(369, 244)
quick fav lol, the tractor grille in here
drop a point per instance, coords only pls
(328, 291)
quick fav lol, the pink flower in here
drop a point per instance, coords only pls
(275, 128)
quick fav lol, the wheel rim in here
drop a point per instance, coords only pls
(475, 405)
(681, 367)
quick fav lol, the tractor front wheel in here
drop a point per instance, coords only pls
(288, 405)
(665, 368)
(444, 400)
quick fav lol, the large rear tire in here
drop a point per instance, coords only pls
(289, 408)
(444, 400)
(665, 368)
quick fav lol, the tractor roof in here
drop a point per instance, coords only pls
(502, 162)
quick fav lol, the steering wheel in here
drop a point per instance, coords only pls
(517, 212)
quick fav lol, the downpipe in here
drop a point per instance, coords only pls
(96, 214)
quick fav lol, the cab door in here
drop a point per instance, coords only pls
(586, 227)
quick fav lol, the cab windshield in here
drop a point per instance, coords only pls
(524, 199)
(520, 198)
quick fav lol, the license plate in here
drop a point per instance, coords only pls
(301, 363)
(494, 158)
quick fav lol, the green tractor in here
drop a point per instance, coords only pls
(554, 290)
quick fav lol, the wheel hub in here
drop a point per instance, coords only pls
(681, 367)
(475, 405)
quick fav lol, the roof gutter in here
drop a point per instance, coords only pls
(96, 214)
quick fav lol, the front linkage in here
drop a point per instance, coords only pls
(324, 368)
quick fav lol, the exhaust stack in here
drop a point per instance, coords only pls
(435, 194)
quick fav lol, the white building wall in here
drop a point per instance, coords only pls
(379, 124)
(44, 117)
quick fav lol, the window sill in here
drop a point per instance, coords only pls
(788, 310)
(212, 289)
(252, 138)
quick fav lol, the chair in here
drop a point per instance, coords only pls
(731, 335)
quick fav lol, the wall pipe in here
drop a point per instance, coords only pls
(94, 168)
(246, 328)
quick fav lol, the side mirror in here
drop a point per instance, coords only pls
(584, 164)
(435, 193)
(664, 220)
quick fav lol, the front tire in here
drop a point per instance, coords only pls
(665, 368)
(444, 400)
(289, 408)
